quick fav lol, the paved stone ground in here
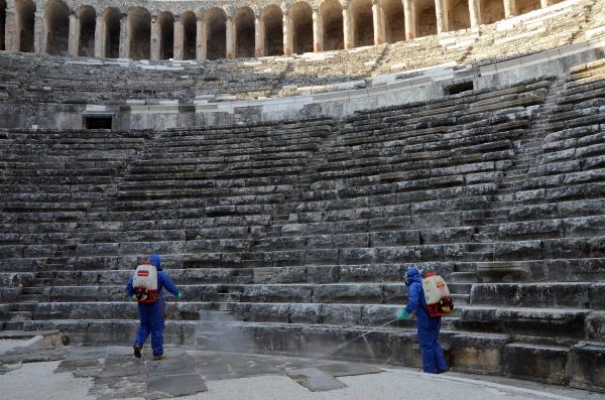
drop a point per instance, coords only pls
(112, 372)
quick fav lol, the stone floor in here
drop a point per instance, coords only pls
(111, 372)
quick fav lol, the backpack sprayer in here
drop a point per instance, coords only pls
(346, 344)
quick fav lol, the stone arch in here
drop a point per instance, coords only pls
(189, 21)
(2, 24)
(491, 11)
(56, 14)
(88, 22)
(216, 34)
(301, 15)
(26, 20)
(111, 40)
(331, 17)
(525, 6)
(243, 20)
(273, 31)
(394, 29)
(363, 23)
(139, 32)
(458, 15)
(426, 20)
(166, 35)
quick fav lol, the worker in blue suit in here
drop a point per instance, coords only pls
(433, 360)
(151, 315)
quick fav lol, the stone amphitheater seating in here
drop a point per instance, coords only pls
(91, 81)
(293, 236)
(533, 32)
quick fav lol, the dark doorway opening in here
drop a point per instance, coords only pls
(459, 88)
(97, 121)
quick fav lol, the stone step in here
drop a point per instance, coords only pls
(364, 292)
(462, 277)
(21, 306)
(33, 298)
(544, 362)
(554, 324)
(588, 295)
(19, 316)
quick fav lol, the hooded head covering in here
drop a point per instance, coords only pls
(156, 260)
(412, 275)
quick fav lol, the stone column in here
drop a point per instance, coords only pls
(230, 38)
(124, 37)
(259, 37)
(156, 41)
(346, 26)
(11, 39)
(288, 39)
(73, 41)
(40, 33)
(179, 40)
(100, 37)
(409, 20)
(473, 9)
(440, 15)
(377, 21)
(200, 40)
(318, 34)
(510, 8)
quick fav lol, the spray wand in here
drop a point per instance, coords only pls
(345, 344)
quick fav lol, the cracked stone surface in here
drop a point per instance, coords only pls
(116, 373)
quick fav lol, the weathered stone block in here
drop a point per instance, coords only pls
(351, 240)
(531, 229)
(304, 313)
(372, 273)
(322, 256)
(477, 353)
(588, 366)
(447, 235)
(341, 314)
(322, 274)
(272, 338)
(269, 312)
(566, 248)
(394, 238)
(526, 250)
(36, 251)
(277, 293)
(595, 325)
(349, 293)
(537, 362)
(279, 275)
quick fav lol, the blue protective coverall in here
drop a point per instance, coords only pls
(433, 360)
(151, 315)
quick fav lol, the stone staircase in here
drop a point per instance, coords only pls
(545, 293)
(294, 236)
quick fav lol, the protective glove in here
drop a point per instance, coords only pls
(179, 296)
(403, 315)
(134, 297)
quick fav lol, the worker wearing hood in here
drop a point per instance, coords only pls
(151, 315)
(433, 360)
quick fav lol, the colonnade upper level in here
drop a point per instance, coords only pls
(205, 30)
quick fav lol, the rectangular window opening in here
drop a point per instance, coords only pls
(459, 88)
(98, 121)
